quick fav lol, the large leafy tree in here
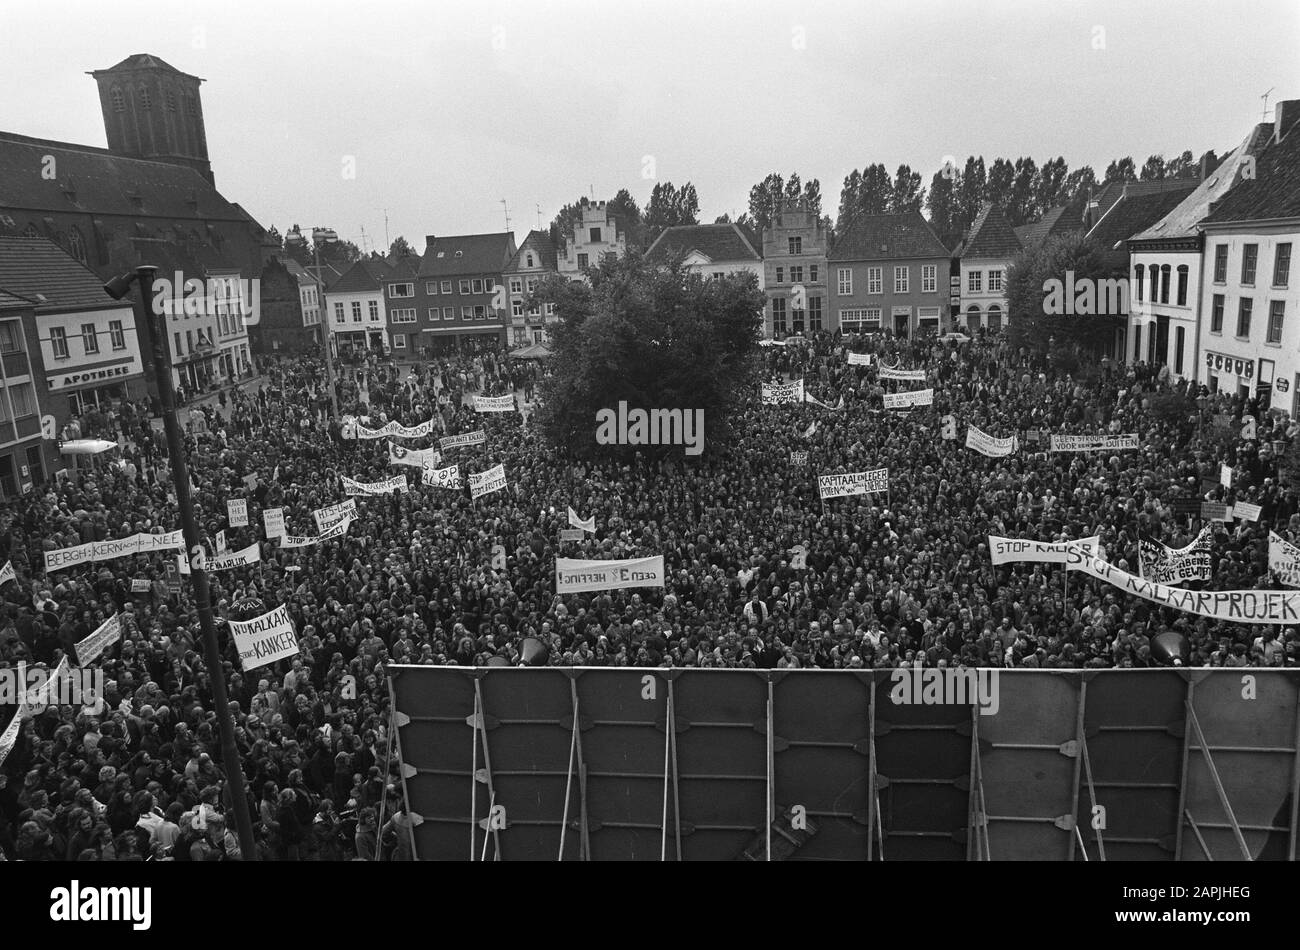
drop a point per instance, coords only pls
(768, 195)
(865, 192)
(1121, 169)
(1023, 204)
(1153, 169)
(400, 248)
(655, 337)
(670, 206)
(1030, 280)
(1002, 175)
(1051, 183)
(561, 227)
(906, 193)
(624, 207)
(941, 204)
(970, 193)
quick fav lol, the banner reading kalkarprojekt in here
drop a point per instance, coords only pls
(573, 576)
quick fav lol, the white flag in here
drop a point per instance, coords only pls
(589, 525)
(7, 573)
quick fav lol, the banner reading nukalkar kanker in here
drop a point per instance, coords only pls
(265, 639)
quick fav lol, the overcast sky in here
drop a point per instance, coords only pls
(447, 108)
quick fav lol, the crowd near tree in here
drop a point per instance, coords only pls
(883, 581)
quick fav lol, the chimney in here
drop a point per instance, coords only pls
(1285, 114)
(429, 239)
(1090, 214)
(1205, 165)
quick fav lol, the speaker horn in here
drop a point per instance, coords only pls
(497, 661)
(1171, 649)
(533, 652)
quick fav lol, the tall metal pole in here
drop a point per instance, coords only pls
(325, 332)
(154, 328)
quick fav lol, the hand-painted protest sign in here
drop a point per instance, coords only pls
(572, 534)
(336, 530)
(108, 633)
(798, 458)
(7, 573)
(1094, 443)
(905, 400)
(907, 375)
(1214, 511)
(353, 487)
(575, 521)
(1165, 565)
(265, 639)
(861, 359)
(1284, 560)
(448, 477)
(273, 521)
(853, 483)
(237, 512)
(485, 483)
(477, 437)
(775, 394)
(225, 561)
(573, 576)
(1010, 550)
(1246, 511)
(416, 458)
(108, 550)
(395, 429)
(328, 517)
(989, 445)
(494, 403)
(140, 585)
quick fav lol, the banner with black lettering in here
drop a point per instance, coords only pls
(224, 562)
(396, 429)
(1237, 606)
(494, 403)
(906, 375)
(7, 573)
(353, 487)
(574, 576)
(861, 359)
(485, 483)
(776, 394)
(1094, 443)
(1166, 565)
(991, 446)
(1010, 550)
(416, 458)
(1246, 511)
(448, 477)
(108, 633)
(905, 400)
(64, 558)
(237, 512)
(477, 437)
(337, 530)
(1284, 560)
(853, 483)
(328, 517)
(265, 639)
(273, 522)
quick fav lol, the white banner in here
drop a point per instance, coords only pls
(353, 487)
(1238, 606)
(237, 512)
(1008, 550)
(917, 397)
(221, 541)
(1246, 511)
(485, 483)
(1094, 443)
(141, 585)
(774, 394)
(1284, 560)
(494, 403)
(589, 525)
(326, 518)
(224, 562)
(417, 458)
(265, 639)
(109, 632)
(395, 428)
(854, 483)
(908, 375)
(861, 359)
(9, 737)
(986, 444)
(448, 477)
(107, 550)
(7, 573)
(303, 541)
(573, 576)
(273, 522)
(798, 458)
(1225, 475)
(477, 437)
(1162, 564)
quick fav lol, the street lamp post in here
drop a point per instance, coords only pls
(318, 237)
(154, 340)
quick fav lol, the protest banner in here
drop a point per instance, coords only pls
(574, 576)
(477, 437)
(332, 515)
(1246, 511)
(265, 639)
(485, 483)
(775, 394)
(237, 512)
(1237, 606)
(64, 558)
(416, 458)
(1165, 565)
(572, 534)
(799, 557)
(448, 477)
(140, 585)
(273, 522)
(353, 487)
(336, 530)
(221, 541)
(588, 525)
(1284, 560)
(224, 561)
(1225, 475)
(861, 359)
(798, 458)
(1011, 550)
(853, 483)
(7, 573)
(494, 403)
(108, 633)
(396, 429)
(1215, 511)
(906, 375)
(1094, 443)
(905, 400)
(986, 444)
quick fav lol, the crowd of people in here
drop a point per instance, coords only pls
(760, 570)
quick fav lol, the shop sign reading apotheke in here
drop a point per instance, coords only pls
(1229, 364)
(102, 374)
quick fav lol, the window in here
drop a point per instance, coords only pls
(796, 275)
(1276, 311)
(399, 341)
(595, 235)
(189, 341)
(1182, 285)
(1216, 314)
(974, 281)
(449, 313)
(549, 308)
(778, 315)
(812, 273)
(1282, 265)
(875, 280)
(435, 313)
(464, 287)
(480, 312)
(582, 262)
(145, 99)
(116, 335)
(171, 102)
(1155, 283)
(1139, 274)
(59, 341)
(930, 278)
(446, 286)
(24, 399)
(76, 245)
(795, 244)
(516, 285)
(1243, 317)
(178, 351)
(844, 278)
(11, 336)
(814, 313)
(535, 310)
(1164, 283)
(780, 275)
(517, 308)
(338, 313)
(995, 281)
(374, 311)
(401, 290)
(1221, 264)
(856, 321)
(529, 261)
(477, 285)
(403, 316)
(356, 311)
(531, 284)
(431, 288)
(467, 313)
(89, 340)
(900, 279)
(1249, 255)
(1180, 344)
(119, 101)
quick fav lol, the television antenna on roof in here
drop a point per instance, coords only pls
(506, 208)
(1264, 117)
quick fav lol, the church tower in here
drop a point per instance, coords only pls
(153, 110)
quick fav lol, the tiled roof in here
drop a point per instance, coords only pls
(539, 242)
(890, 237)
(1055, 220)
(141, 61)
(94, 180)
(31, 266)
(991, 236)
(1274, 192)
(360, 278)
(467, 254)
(717, 242)
(10, 301)
(1132, 214)
(1183, 219)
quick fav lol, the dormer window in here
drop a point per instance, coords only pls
(530, 260)
(119, 101)
(460, 253)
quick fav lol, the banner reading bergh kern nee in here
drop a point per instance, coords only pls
(573, 576)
